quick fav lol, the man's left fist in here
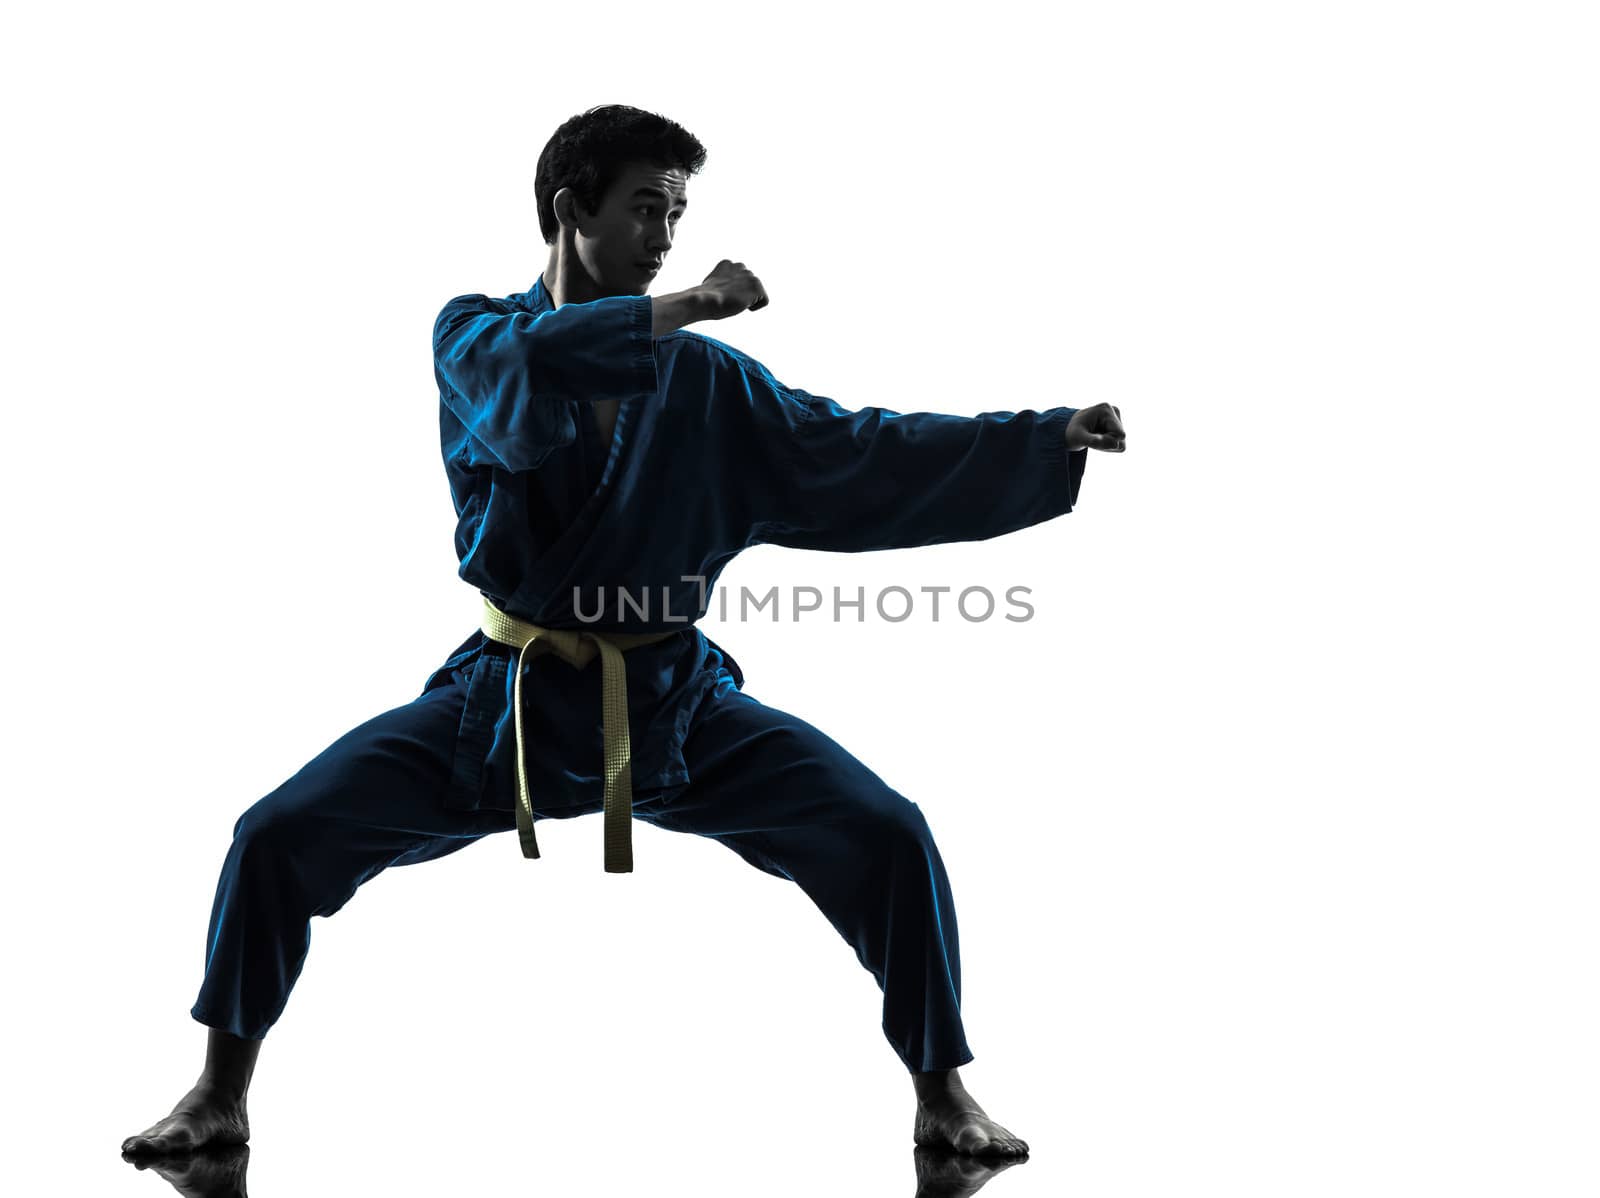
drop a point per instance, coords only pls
(1099, 427)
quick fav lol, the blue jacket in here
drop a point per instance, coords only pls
(710, 455)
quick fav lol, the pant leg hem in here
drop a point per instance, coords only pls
(940, 1063)
(232, 1027)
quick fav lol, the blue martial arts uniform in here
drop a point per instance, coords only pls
(710, 454)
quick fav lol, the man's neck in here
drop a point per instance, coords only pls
(567, 281)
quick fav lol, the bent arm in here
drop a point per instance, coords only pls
(669, 313)
(505, 374)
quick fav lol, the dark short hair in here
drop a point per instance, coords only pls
(588, 152)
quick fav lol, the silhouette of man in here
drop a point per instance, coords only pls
(605, 465)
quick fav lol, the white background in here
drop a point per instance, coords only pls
(1272, 834)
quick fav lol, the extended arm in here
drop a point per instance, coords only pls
(851, 481)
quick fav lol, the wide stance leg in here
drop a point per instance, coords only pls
(792, 802)
(372, 799)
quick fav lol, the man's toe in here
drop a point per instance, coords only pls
(158, 1143)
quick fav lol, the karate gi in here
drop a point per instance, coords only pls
(710, 455)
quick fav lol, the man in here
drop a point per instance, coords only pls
(599, 455)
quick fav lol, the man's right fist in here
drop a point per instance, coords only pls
(732, 289)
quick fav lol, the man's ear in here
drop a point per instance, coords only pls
(568, 212)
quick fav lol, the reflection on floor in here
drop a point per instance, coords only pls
(220, 1172)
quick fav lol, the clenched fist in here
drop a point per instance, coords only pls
(730, 289)
(1099, 427)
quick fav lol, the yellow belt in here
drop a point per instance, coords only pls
(577, 647)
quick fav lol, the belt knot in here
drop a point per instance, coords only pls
(578, 647)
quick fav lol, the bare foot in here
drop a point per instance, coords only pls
(951, 1118)
(203, 1116)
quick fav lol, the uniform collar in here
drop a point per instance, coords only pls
(537, 298)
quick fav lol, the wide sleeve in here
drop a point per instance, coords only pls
(872, 478)
(507, 375)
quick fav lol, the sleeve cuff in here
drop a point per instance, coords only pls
(1064, 466)
(644, 356)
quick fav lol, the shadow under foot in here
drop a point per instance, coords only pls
(214, 1172)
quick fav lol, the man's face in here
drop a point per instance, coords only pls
(633, 228)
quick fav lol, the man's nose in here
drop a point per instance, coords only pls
(659, 239)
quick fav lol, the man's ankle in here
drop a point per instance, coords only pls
(937, 1081)
(221, 1089)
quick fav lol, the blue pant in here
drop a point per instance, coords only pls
(768, 785)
